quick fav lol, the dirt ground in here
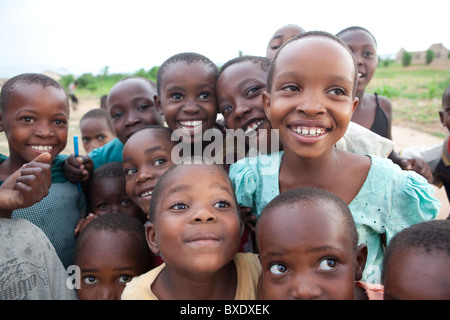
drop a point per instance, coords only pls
(404, 137)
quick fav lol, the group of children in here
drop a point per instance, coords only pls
(317, 217)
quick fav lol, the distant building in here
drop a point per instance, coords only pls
(419, 57)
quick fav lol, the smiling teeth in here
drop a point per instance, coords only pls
(309, 132)
(253, 126)
(194, 124)
(145, 194)
(42, 148)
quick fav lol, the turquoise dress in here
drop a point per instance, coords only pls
(390, 200)
(58, 213)
(110, 152)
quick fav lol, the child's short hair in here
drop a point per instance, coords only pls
(108, 170)
(187, 57)
(115, 223)
(323, 34)
(98, 114)
(356, 28)
(446, 91)
(161, 184)
(313, 195)
(150, 82)
(28, 79)
(429, 235)
(262, 62)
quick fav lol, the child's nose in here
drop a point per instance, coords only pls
(108, 293)
(145, 174)
(241, 109)
(311, 105)
(44, 130)
(191, 106)
(304, 288)
(132, 119)
(203, 215)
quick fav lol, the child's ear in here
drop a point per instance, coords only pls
(158, 104)
(266, 101)
(355, 103)
(152, 239)
(441, 116)
(1, 123)
(361, 257)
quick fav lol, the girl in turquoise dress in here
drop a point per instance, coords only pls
(310, 100)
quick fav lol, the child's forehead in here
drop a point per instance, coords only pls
(148, 137)
(132, 85)
(180, 67)
(187, 173)
(29, 90)
(358, 36)
(33, 92)
(302, 46)
(307, 214)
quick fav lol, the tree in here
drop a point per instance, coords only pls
(406, 58)
(429, 56)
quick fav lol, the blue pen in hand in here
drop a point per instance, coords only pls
(75, 144)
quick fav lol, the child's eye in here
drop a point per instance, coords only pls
(125, 278)
(89, 280)
(222, 204)
(86, 140)
(27, 119)
(253, 91)
(159, 162)
(290, 87)
(143, 107)
(102, 205)
(101, 137)
(338, 92)
(278, 268)
(117, 115)
(226, 109)
(59, 122)
(125, 202)
(205, 95)
(179, 206)
(368, 54)
(177, 96)
(328, 264)
(130, 171)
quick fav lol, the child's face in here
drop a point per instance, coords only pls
(188, 98)
(107, 262)
(281, 36)
(131, 106)
(197, 228)
(146, 156)
(364, 49)
(311, 96)
(416, 274)
(35, 121)
(239, 95)
(95, 133)
(444, 114)
(306, 253)
(109, 196)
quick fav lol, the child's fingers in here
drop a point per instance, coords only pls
(43, 157)
(43, 171)
(37, 175)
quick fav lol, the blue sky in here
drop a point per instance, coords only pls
(85, 36)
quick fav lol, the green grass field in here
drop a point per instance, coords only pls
(416, 94)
